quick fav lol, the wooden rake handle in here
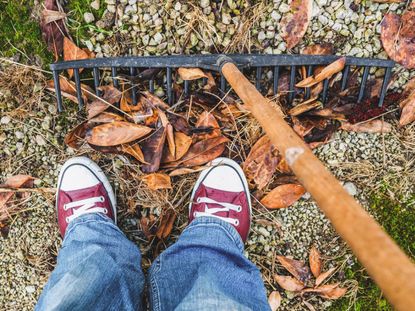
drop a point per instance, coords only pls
(387, 264)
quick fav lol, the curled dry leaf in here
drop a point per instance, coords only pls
(182, 143)
(319, 49)
(323, 276)
(274, 300)
(148, 226)
(191, 73)
(152, 148)
(166, 224)
(329, 291)
(106, 117)
(261, 162)
(315, 261)
(156, 181)
(325, 73)
(283, 196)
(110, 96)
(304, 107)
(116, 133)
(296, 267)
(398, 37)
(374, 126)
(295, 24)
(180, 124)
(204, 151)
(408, 110)
(210, 84)
(75, 137)
(133, 150)
(186, 170)
(68, 89)
(207, 120)
(288, 283)
(72, 52)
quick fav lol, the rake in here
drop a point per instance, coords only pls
(392, 270)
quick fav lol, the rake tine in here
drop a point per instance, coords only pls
(276, 77)
(133, 88)
(325, 89)
(385, 83)
(345, 75)
(78, 88)
(363, 84)
(169, 86)
(58, 90)
(151, 86)
(291, 93)
(186, 87)
(96, 81)
(114, 76)
(258, 78)
(222, 83)
(307, 89)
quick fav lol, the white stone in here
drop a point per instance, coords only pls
(88, 17)
(157, 38)
(275, 15)
(350, 188)
(323, 19)
(111, 8)
(30, 289)
(19, 135)
(261, 36)
(130, 9)
(95, 5)
(284, 8)
(204, 3)
(40, 140)
(178, 6)
(5, 120)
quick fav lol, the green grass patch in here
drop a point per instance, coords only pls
(398, 219)
(20, 33)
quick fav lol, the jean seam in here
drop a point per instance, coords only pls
(237, 242)
(154, 288)
(67, 233)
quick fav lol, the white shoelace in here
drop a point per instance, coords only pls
(86, 206)
(212, 211)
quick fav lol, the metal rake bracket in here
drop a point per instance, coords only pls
(132, 66)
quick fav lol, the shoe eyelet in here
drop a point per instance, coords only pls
(67, 220)
(105, 211)
(239, 209)
(102, 199)
(236, 223)
(64, 207)
(198, 200)
(194, 214)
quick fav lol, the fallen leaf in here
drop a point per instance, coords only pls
(329, 291)
(374, 126)
(170, 139)
(166, 224)
(408, 111)
(397, 37)
(294, 25)
(283, 196)
(152, 148)
(191, 73)
(288, 283)
(148, 226)
(323, 276)
(182, 143)
(309, 305)
(328, 113)
(106, 117)
(274, 300)
(68, 89)
(325, 73)
(110, 96)
(75, 137)
(296, 267)
(186, 170)
(261, 162)
(304, 107)
(204, 151)
(135, 151)
(210, 84)
(49, 16)
(179, 123)
(72, 52)
(116, 133)
(156, 181)
(315, 261)
(319, 49)
(154, 100)
(207, 120)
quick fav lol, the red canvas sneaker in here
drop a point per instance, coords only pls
(221, 191)
(83, 188)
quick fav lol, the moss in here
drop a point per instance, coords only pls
(398, 219)
(20, 33)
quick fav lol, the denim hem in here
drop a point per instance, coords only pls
(86, 218)
(228, 228)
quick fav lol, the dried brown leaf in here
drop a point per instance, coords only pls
(288, 283)
(191, 73)
(329, 291)
(110, 96)
(274, 300)
(156, 181)
(207, 120)
(133, 150)
(408, 111)
(373, 126)
(309, 305)
(166, 224)
(106, 117)
(261, 162)
(116, 133)
(325, 73)
(315, 261)
(72, 52)
(283, 196)
(182, 143)
(68, 89)
(186, 170)
(323, 276)
(304, 107)
(294, 25)
(296, 267)
(153, 149)
(75, 137)
(18, 181)
(319, 49)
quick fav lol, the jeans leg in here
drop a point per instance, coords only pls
(206, 270)
(98, 268)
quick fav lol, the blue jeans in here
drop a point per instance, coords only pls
(98, 268)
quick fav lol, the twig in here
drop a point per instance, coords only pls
(41, 190)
